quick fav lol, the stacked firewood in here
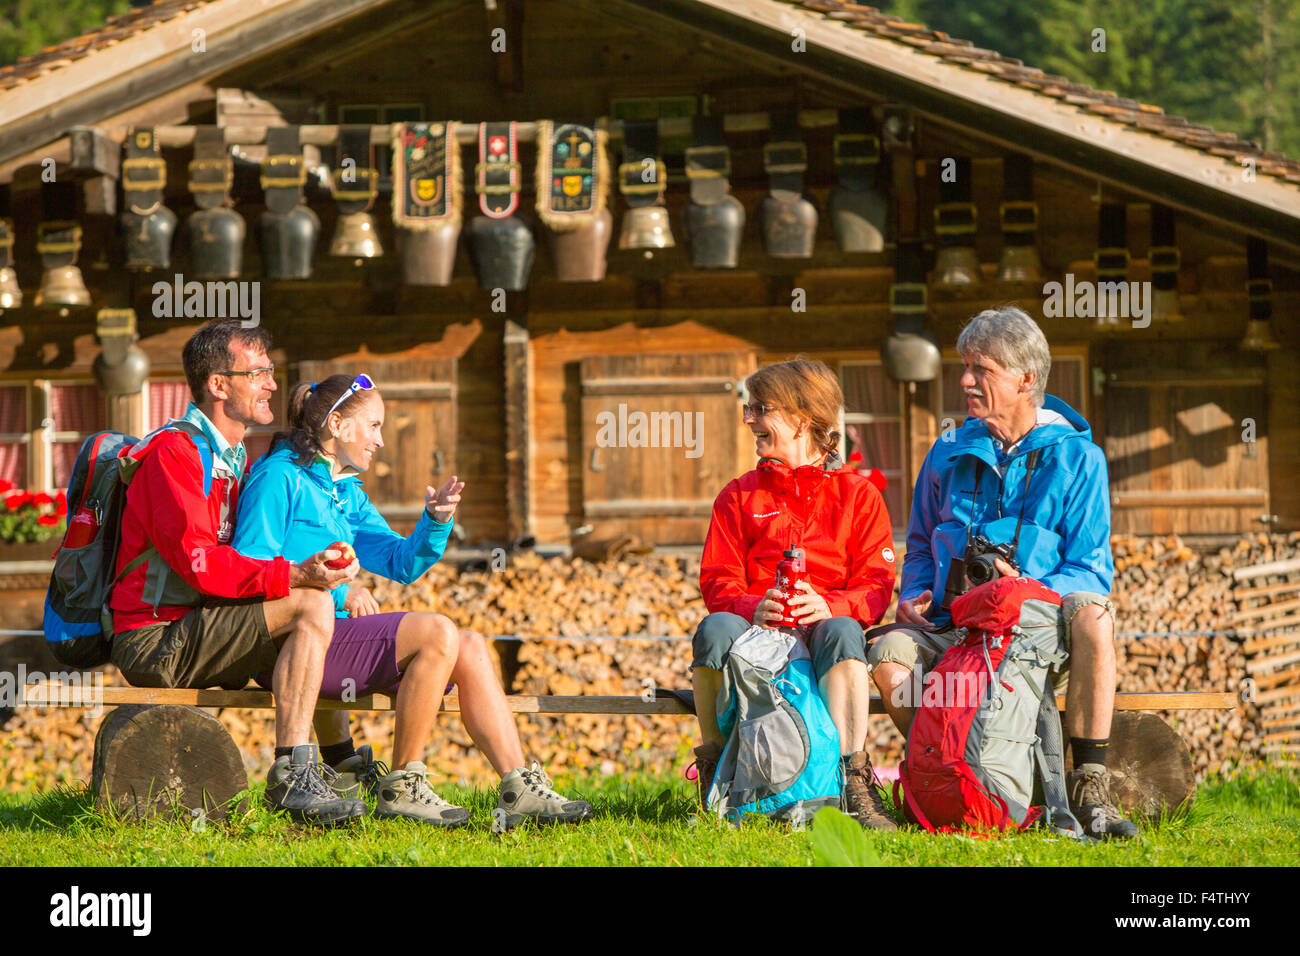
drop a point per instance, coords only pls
(1162, 590)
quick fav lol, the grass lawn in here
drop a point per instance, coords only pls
(1246, 819)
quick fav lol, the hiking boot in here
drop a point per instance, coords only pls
(706, 765)
(406, 793)
(300, 786)
(358, 771)
(527, 795)
(1093, 805)
(862, 799)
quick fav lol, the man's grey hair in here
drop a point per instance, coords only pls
(1013, 340)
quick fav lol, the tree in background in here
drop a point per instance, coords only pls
(29, 26)
(1228, 64)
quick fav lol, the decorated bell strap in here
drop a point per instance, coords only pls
(1018, 212)
(497, 178)
(58, 237)
(427, 183)
(1258, 284)
(6, 230)
(642, 177)
(785, 157)
(908, 293)
(144, 173)
(856, 149)
(1112, 255)
(355, 181)
(283, 173)
(211, 170)
(1163, 255)
(954, 216)
(708, 161)
(572, 174)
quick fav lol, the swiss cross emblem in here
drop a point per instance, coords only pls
(497, 144)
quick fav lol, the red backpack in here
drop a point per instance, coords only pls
(988, 718)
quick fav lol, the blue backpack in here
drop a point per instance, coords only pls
(782, 757)
(77, 622)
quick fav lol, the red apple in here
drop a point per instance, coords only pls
(344, 559)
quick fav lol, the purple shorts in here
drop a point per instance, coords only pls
(362, 657)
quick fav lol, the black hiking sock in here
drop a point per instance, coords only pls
(283, 752)
(1086, 750)
(335, 754)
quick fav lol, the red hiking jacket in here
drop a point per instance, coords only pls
(165, 506)
(837, 517)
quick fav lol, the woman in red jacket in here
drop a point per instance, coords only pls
(800, 495)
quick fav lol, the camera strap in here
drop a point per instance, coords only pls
(1031, 462)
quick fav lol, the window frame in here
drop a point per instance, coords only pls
(25, 437)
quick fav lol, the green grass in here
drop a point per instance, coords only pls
(1250, 819)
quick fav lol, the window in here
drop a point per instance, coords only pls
(14, 434)
(873, 426)
(169, 398)
(77, 411)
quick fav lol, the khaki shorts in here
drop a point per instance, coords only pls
(219, 644)
(910, 646)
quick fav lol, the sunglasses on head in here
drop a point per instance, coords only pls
(361, 383)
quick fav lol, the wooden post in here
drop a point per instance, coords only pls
(519, 433)
(150, 759)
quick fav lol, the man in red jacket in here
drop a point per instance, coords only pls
(801, 496)
(189, 610)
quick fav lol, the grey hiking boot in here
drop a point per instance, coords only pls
(406, 793)
(1093, 805)
(526, 794)
(706, 765)
(358, 771)
(862, 799)
(299, 785)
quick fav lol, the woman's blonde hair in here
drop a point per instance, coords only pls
(802, 388)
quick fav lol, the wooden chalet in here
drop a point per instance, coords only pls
(1199, 413)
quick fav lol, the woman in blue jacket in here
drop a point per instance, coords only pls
(305, 494)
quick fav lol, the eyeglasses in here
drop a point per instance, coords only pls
(756, 409)
(359, 384)
(264, 374)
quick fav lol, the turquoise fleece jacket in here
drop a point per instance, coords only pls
(293, 511)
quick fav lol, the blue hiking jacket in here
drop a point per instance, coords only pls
(294, 511)
(1065, 540)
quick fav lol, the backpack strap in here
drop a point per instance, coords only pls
(1049, 751)
(200, 443)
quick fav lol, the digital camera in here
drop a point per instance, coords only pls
(976, 566)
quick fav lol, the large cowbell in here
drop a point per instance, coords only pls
(715, 220)
(502, 250)
(216, 232)
(859, 211)
(911, 352)
(500, 243)
(572, 186)
(147, 225)
(288, 229)
(427, 196)
(579, 254)
(788, 218)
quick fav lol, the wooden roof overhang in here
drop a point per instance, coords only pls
(1080, 132)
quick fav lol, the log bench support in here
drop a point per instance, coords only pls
(157, 750)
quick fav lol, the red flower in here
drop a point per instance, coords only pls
(42, 499)
(48, 520)
(61, 507)
(6, 486)
(16, 500)
(855, 456)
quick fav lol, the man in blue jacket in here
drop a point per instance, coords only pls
(974, 481)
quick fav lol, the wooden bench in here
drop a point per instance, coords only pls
(158, 749)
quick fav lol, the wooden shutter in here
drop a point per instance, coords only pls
(1178, 462)
(685, 404)
(419, 427)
